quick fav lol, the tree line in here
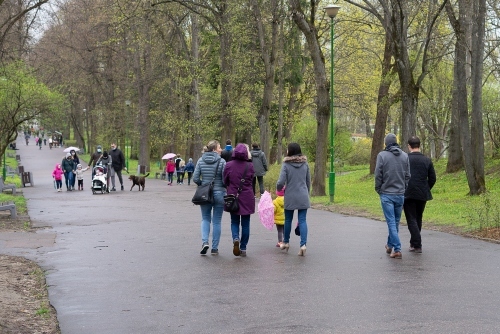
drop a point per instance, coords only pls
(168, 75)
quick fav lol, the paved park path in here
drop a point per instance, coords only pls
(129, 263)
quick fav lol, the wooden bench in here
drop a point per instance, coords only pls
(9, 206)
(4, 186)
(18, 157)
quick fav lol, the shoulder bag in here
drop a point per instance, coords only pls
(231, 203)
(204, 193)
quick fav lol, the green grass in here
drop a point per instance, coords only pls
(451, 206)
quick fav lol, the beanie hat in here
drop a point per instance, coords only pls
(79, 166)
(390, 139)
(68, 155)
(280, 192)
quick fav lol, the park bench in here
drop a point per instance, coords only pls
(27, 177)
(4, 186)
(18, 158)
(9, 206)
(10, 171)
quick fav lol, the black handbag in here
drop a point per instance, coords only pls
(204, 193)
(231, 203)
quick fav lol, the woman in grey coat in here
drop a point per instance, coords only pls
(296, 177)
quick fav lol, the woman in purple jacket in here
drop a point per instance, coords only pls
(237, 169)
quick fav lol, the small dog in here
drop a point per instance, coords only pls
(138, 180)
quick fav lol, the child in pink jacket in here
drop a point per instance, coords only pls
(57, 175)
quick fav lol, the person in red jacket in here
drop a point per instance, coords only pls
(170, 169)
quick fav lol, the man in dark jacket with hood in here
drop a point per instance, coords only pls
(259, 166)
(227, 152)
(392, 173)
(423, 178)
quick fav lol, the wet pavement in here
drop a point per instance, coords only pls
(128, 262)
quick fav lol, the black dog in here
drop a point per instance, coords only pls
(138, 180)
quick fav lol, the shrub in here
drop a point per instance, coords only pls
(360, 153)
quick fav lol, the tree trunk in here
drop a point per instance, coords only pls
(196, 144)
(409, 90)
(268, 52)
(322, 95)
(477, 55)
(383, 100)
(455, 156)
(226, 119)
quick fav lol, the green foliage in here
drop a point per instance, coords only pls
(360, 153)
(305, 134)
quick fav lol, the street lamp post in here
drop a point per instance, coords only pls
(127, 103)
(4, 170)
(331, 11)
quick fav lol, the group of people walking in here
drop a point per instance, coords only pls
(236, 176)
(403, 182)
(113, 162)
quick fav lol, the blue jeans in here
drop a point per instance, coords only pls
(302, 225)
(206, 219)
(68, 179)
(245, 229)
(392, 205)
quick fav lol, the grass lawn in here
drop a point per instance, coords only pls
(451, 206)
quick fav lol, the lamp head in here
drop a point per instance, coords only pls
(332, 10)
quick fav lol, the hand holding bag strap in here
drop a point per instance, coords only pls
(242, 180)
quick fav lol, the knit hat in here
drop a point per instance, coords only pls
(390, 139)
(79, 166)
(68, 155)
(280, 192)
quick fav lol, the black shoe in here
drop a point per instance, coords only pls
(122, 187)
(204, 249)
(214, 252)
(113, 189)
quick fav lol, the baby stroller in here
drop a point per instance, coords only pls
(100, 180)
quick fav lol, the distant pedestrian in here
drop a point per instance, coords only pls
(189, 168)
(95, 157)
(170, 169)
(118, 163)
(45, 141)
(210, 167)
(79, 175)
(68, 166)
(239, 173)
(392, 173)
(260, 166)
(296, 177)
(227, 152)
(279, 214)
(418, 192)
(178, 168)
(50, 142)
(57, 174)
(76, 161)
